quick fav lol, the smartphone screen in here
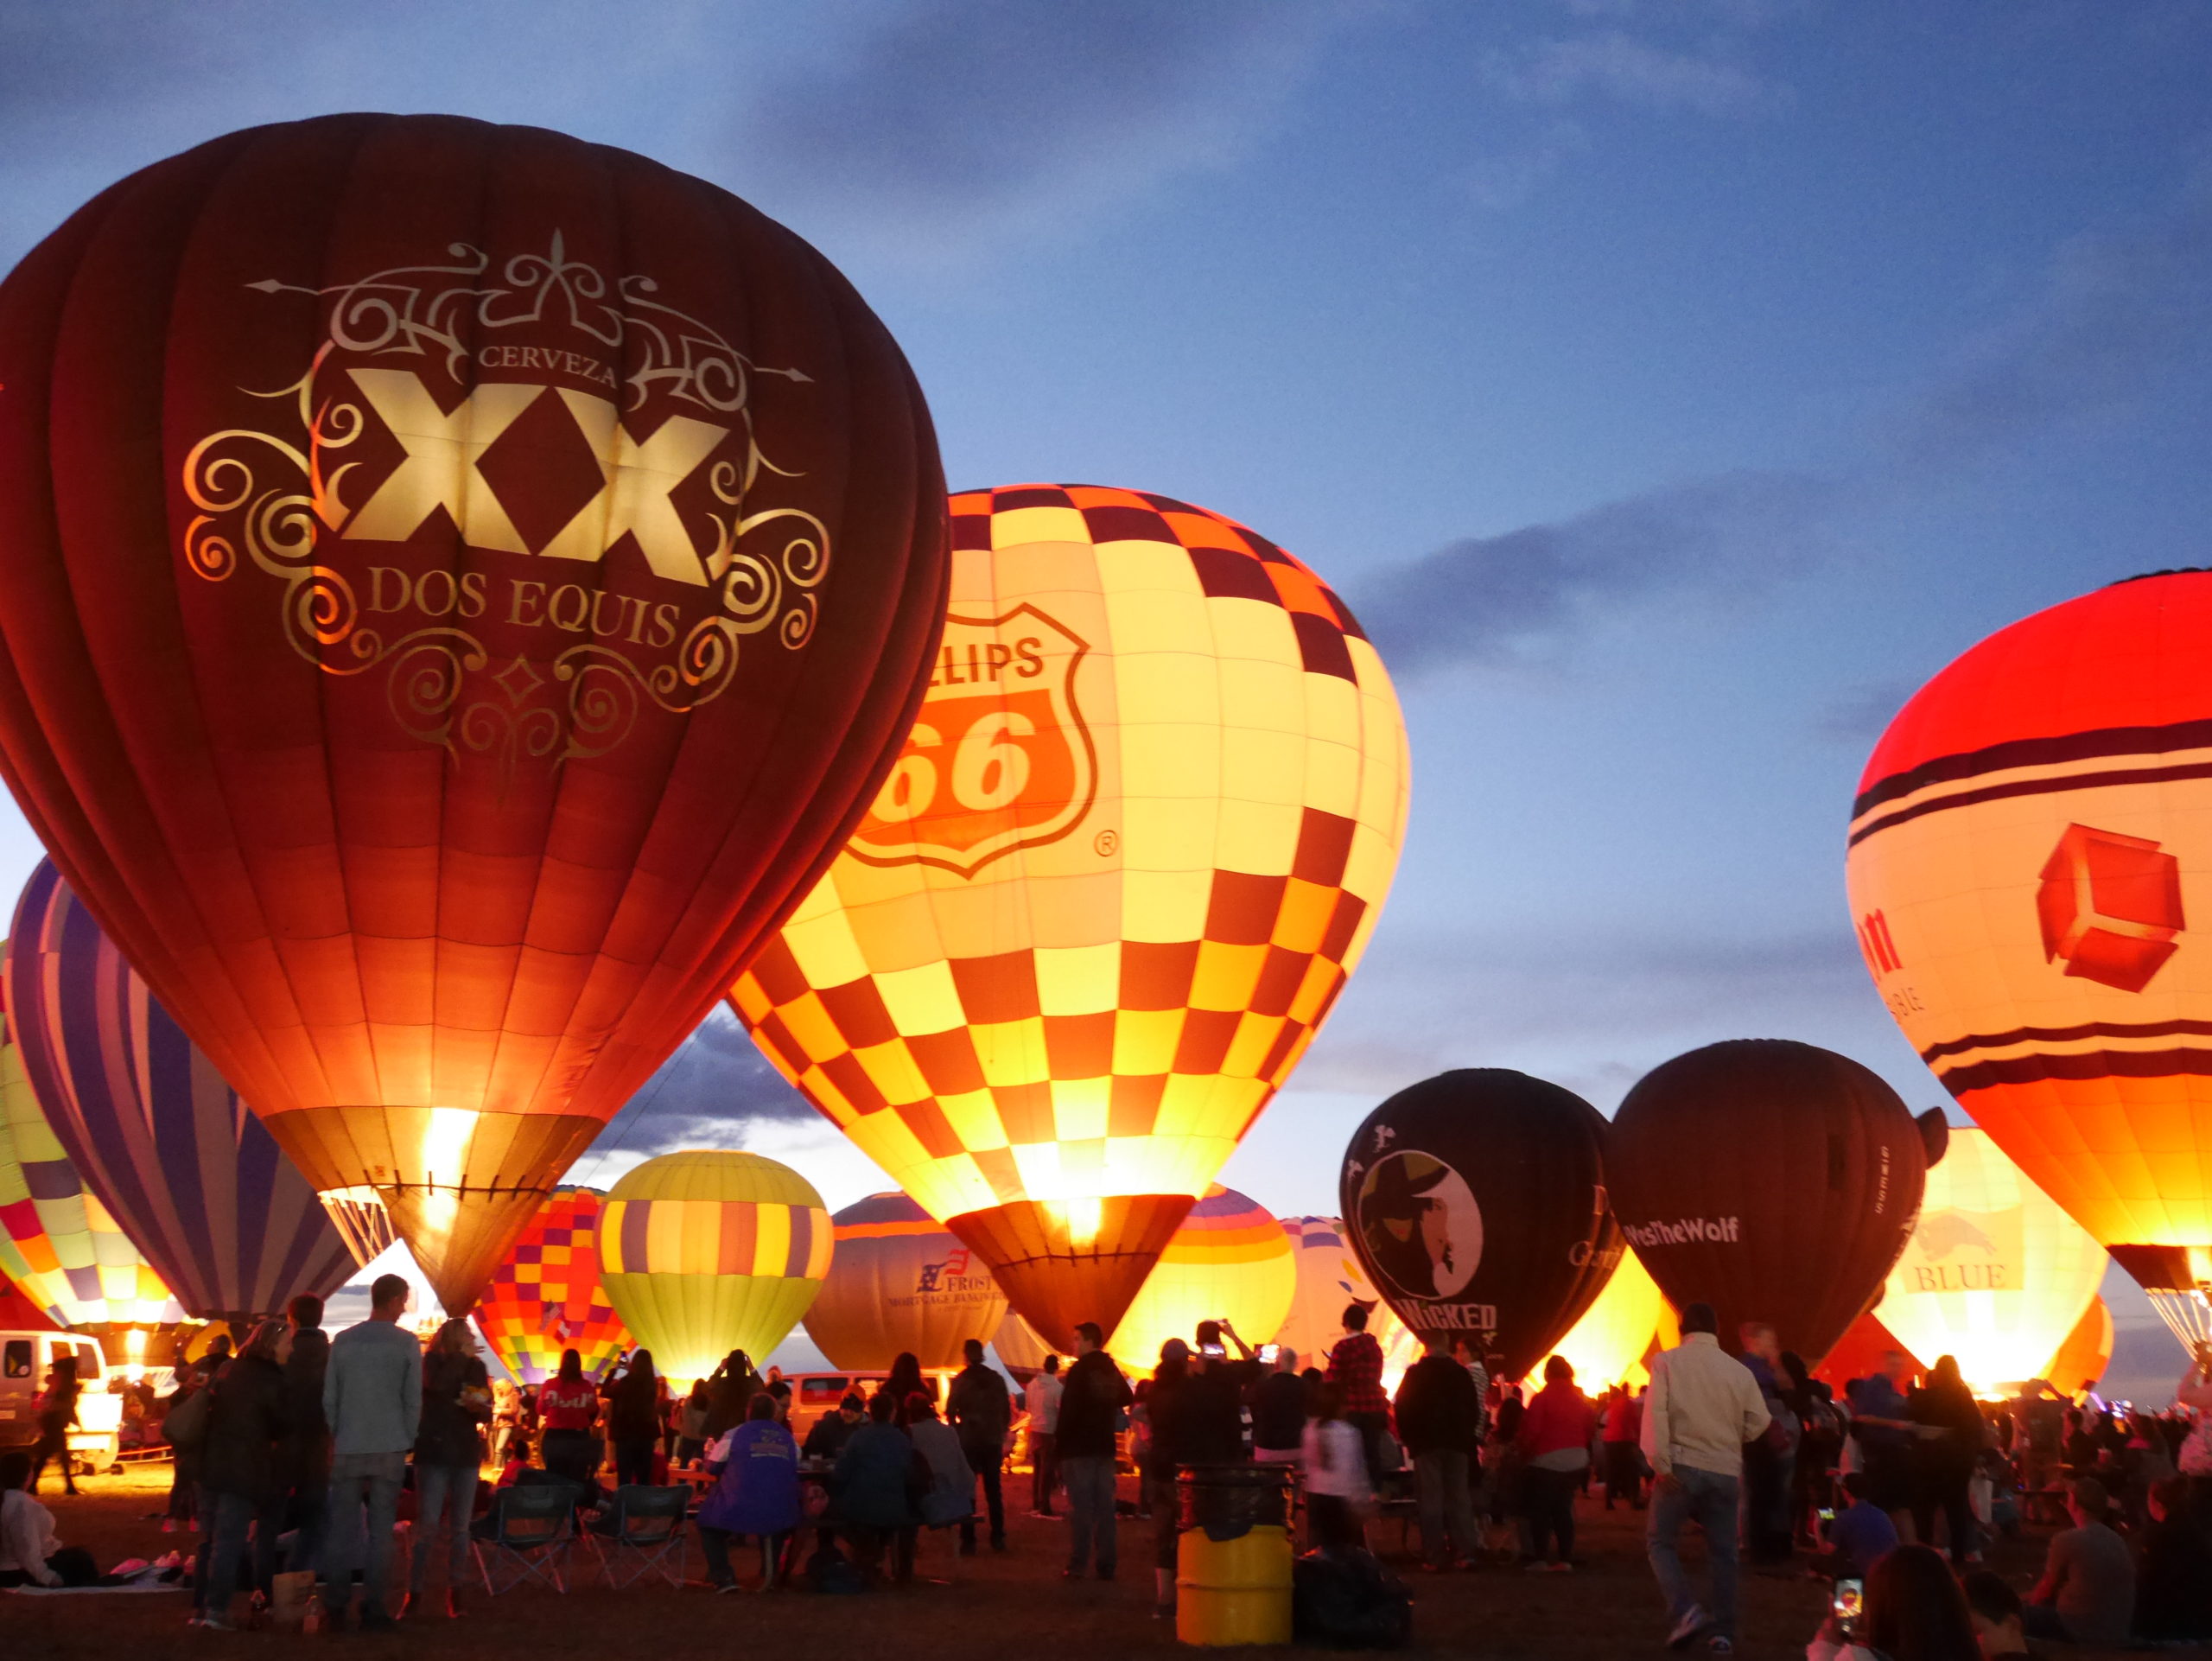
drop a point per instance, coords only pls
(1269, 1351)
(1850, 1601)
(1212, 1351)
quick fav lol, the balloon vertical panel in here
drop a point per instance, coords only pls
(1137, 840)
(463, 584)
(197, 1181)
(2030, 871)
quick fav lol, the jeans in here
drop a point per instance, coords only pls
(447, 1491)
(1767, 1477)
(986, 1462)
(715, 1544)
(1089, 1482)
(223, 1550)
(870, 1545)
(633, 1460)
(364, 1492)
(1943, 1487)
(1374, 1431)
(1447, 1512)
(311, 1517)
(1548, 1509)
(1044, 1470)
(1624, 1473)
(1708, 1499)
(571, 1454)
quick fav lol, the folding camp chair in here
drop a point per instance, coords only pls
(532, 1531)
(644, 1530)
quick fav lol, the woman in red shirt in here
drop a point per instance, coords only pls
(568, 1406)
(1554, 1443)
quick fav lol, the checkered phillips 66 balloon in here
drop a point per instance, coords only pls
(1136, 842)
(2031, 874)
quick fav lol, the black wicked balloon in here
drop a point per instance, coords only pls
(1776, 1180)
(1476, 1202)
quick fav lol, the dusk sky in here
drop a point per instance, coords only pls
(1670, 385)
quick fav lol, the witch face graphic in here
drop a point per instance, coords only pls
(1420, 1224)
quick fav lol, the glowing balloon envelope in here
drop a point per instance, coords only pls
(1776, 1180)
(901, 1280)
(1136, 841)
(1229, 1261)
(64, 1252)
(2030, 847)
(2086, 1353)
(706, 1252)
(1994, 1273)
(1476, 1202)
(546, 1296)
(1613, 1342)
(462, 585)
(1329, 1280)
(196, 1180)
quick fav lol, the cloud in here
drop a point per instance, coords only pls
(1861, 714)
(953, 117)
(1525, 594)
(1615, 65)
(715, 1090)
(2117, 312)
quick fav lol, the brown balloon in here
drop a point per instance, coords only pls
(1773, 1179)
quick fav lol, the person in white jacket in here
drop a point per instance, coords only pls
(1703, 1407)
(26, 1536)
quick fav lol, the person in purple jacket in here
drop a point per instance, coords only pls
(757, 1463)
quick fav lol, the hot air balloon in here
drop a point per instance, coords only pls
(65, 1251)
(1229, 1261)
(2086, 1351)
(1329, 1280)
(1776, 1180)
(2029, 846)
(1613, 1342)
(1994, 1273)
(1476, 1202)
(703, 1252)
(1019, 1346)
(1137, 839)
(196, 1181)
(555, 547)
(900, 1280)
(546, 1296)
(361, 1220)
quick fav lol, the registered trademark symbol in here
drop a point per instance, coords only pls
(1106, 842)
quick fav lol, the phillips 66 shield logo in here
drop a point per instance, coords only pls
(1000, 757)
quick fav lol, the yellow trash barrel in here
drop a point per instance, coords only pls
(1232, 1560)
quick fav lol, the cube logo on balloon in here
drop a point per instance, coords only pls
(2110, 906)
(1136, 843)
(464, 583)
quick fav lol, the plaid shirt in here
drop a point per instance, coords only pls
(1356, 1364)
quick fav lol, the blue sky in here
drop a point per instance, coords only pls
(1671, 384)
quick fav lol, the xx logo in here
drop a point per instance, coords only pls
(444, 451)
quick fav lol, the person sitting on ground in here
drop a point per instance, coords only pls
(2086, 1594)
(868, 1492)
(1914, 1611)
(2173, 1596)
(1994, 1608)
(827, 1438)
(30, 1553)
(1861, 1535)
(757, 1494)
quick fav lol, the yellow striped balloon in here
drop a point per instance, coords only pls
(1229, 1260)
(706, 1252)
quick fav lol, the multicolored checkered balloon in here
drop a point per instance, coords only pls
(546, 1296)
(1136, 841)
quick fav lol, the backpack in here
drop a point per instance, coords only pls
(186, 1424)
(830, 1571)
(1345, 1599)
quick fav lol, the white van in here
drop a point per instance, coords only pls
(25, 1360)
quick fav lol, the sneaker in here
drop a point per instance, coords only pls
(1694, 1621)
(1718, 1645)
(1535, 1566)
(168, 1525)
(729, 1589)
(1562, 1567)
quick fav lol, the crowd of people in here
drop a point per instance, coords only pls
(302, 1453)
